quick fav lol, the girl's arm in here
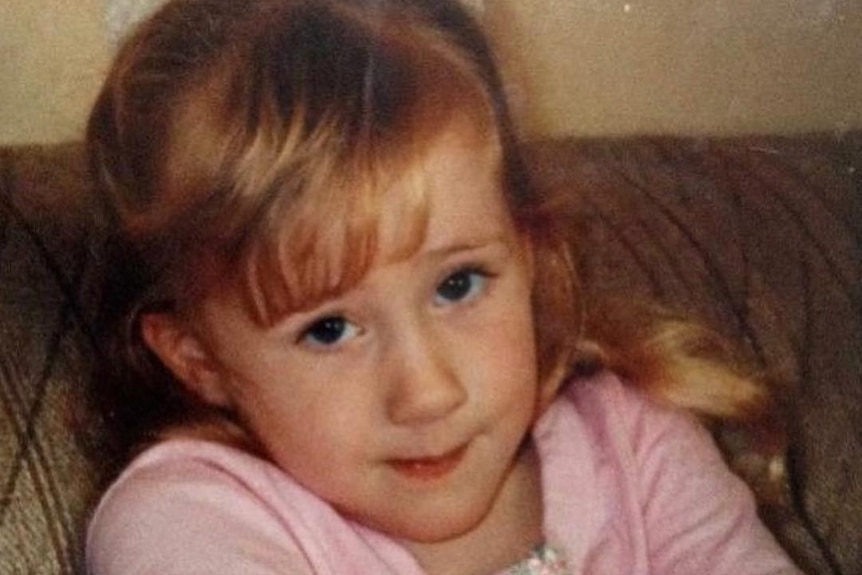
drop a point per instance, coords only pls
(186, 518)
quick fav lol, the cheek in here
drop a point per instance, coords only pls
(298, 422)
(515, 323)
(318, 446)
(508, 352)
(518, 339)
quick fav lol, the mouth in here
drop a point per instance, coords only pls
(429, 468)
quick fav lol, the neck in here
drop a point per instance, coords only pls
(512, 528)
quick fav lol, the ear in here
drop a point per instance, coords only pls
(186, 356)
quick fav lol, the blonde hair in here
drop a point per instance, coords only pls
(258, 136)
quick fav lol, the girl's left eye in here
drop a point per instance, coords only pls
(329, 332)
(462, 285)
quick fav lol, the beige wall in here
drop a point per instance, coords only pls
(52, 54)
(576, 66)
(682, 66)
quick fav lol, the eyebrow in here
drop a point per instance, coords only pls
(466, 245)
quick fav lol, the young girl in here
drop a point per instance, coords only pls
(345, 332)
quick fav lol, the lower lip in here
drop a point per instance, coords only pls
(429, 469)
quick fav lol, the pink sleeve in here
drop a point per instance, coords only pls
(699, 517)
(187, 518)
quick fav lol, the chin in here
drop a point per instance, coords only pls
(439, 531)
(436, 526)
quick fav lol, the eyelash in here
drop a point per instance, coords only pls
(336, 324)
(470, 271)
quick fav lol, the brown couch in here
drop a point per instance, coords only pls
(761, 237)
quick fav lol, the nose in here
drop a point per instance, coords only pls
(423, 383)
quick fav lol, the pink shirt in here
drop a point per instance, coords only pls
(629, 488)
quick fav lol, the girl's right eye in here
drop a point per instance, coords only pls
(328, 332)
(461, 286)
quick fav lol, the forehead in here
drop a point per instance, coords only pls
(459, 181)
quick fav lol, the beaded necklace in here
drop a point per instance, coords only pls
(544, 560)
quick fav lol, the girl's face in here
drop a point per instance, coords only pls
(403, 401)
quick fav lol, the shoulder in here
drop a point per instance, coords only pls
(680, 504)
(645, 446)
(619, 412)
(180, 502)
(604, 437)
